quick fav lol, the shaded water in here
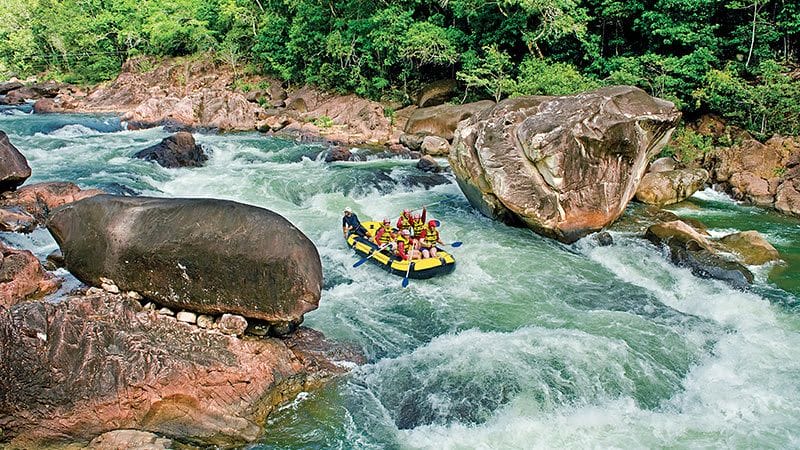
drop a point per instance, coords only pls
(529, 343)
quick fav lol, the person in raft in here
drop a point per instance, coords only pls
(404, 221)
(350, 223)
(405, 246)
(385, 236)
(418, 222)
(428, 240)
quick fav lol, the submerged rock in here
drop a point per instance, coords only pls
(204, 255)
(563, 166)
(88, 365)
(14, 168)
(670, 186)
(688, 248)
(178, 150)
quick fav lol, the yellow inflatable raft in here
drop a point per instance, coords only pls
(442, 264)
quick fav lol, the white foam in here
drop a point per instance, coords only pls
(73, 130)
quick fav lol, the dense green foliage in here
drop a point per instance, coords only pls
(728, 56)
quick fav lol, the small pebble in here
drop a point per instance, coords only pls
(166, 312)
(186, 316)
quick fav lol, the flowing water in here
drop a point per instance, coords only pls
(528, 344)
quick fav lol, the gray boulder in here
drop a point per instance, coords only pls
(14, 168)
(203, 255)
(562, 166)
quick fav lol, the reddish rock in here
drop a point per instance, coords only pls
(14, 168)
(563, 166)
(787, 199)
(88, 365)
(45, 106)
(22, 277)
(16, 220)
(338, 153)
(41, 198)
(19, 96)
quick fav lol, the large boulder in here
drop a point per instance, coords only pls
(689, 249)
(178, 150)
(563, 166)
(86, 365)
(22, 277)
(14, 168)
(443, 120)
(203, 255)
(671, 186)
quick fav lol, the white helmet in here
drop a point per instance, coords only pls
(348, 210)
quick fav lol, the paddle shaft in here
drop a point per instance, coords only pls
(364, 259)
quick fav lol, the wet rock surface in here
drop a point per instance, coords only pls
(687, 248)
(204, 255)
(562, 166)
(14, 168)
(101, 362)
(178, 150)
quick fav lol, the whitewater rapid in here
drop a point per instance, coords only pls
(528, 344)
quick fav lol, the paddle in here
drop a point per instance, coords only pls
(405, 279)
(364, 259)
(455, 244)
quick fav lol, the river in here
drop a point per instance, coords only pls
(528, 344)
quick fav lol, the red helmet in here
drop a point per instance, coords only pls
(431, 223)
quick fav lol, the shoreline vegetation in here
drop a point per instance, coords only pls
(733, 59)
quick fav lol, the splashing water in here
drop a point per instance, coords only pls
(528, 344)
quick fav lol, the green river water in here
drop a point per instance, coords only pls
(528, 344)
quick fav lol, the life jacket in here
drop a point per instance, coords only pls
(404, 223)
(431, 236)
(384, 236)
(418, 225)
(403, 244)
